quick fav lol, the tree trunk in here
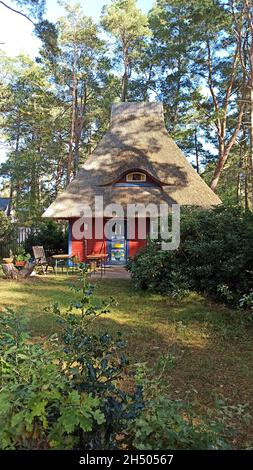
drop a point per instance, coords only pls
(243, 21)
(196, 149)
(125, 78)
(12, 181)
(11, 272)
(241, 169)
(73, 120)
(246, 192)
(219, 166)
(251, 131)
(124, 87)
(147, 84)
(8, 213)
(225, 149)
(225, 145)
(79, 117)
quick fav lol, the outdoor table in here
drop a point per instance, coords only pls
(61, 258)
(98, 257)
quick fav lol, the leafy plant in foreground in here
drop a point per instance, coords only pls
(64, 393)
(95, 362)
(38, 407)
(169, 423)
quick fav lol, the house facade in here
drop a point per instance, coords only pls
(136, 162)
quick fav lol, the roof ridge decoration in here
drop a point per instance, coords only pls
(137, 109)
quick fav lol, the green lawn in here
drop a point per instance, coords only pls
(213, 349)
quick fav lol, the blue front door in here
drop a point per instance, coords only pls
(118, 245)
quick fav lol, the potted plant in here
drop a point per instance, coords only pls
(10, 259)
(22, 258)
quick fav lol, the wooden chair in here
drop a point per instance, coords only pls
(40, 259)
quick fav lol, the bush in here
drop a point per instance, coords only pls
(50, 235)
(38, 406)
(215, 256)
(63, 394)
(173, 424)
(5, 226)
(167, 423)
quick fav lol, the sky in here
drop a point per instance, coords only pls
(17, 33)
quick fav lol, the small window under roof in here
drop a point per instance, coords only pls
(136, 176)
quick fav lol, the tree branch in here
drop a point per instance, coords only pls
(18, 12)
(231, 81)
(232, 139)
(211, 87)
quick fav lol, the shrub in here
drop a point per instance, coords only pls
(38, 406)
(50, 235)
(215, 256)
(172, 424)
(5, 226)
(167, 423)
(63, 394)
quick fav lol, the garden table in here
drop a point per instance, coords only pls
(61, 259)
(102, 257)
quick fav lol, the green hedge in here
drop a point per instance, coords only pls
(51, 236)
(215, 256)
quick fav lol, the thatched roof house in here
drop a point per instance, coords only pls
(135, 162)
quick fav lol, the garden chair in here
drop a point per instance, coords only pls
(40, 259)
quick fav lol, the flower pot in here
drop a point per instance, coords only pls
(7, 260)
(20, 263)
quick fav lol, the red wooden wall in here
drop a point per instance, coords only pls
(82, 247)
(136, 245)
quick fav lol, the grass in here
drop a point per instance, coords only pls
(212, 346)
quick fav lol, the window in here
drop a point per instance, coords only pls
(136, 176)
(154, 228)
(118, 228)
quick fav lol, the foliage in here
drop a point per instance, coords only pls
(169, 423)
(5, 226)
(191, 55)
(39, 407)
(246, 303)
(96, 362)
(129, 27)
(21, 255)
(29, 128)
(215, 251)
(50, 235)
(49, 127)
(64, 393)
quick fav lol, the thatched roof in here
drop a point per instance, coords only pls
(137, 139)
